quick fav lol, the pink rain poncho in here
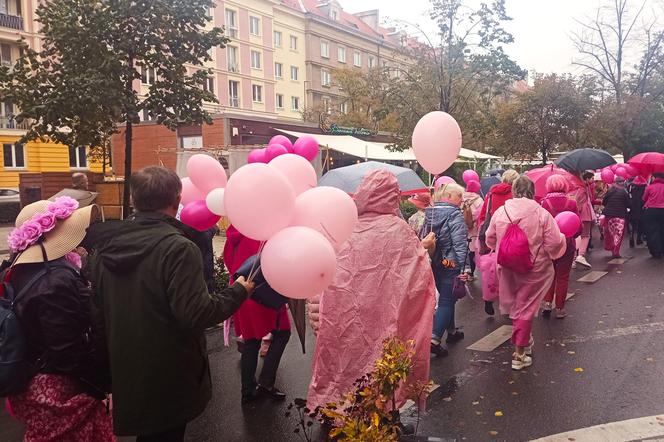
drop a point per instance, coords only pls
(520, 294)
(383, 288)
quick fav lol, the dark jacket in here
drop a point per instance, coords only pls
(636, 203)
(616, 202)
(148, 278)
(56, 317)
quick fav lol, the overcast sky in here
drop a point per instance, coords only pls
(541, 28)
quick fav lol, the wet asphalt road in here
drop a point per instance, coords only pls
(614, 333)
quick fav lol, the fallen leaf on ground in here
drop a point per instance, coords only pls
(498, 413)
(515, 393)
(571, 352)
(648, 306)
(510, 382)
(476, 403)
(562, 345)
(447, 399)
(479, 413)
(600, 322)
(578, 369)
(649, 359)
(493, 433)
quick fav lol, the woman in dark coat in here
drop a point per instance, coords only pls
(636, 189)
(616, 201)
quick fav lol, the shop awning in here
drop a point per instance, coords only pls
(369, 150)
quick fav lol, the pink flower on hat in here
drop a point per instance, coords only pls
(16, 240)
(63, 207)
(46, 220)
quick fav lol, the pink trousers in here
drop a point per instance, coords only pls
(521, 330)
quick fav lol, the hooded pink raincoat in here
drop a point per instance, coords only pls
(383, 288)
(520, 294)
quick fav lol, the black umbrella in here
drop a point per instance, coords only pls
(579, 160)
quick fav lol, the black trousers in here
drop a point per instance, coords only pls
(249, 361)
(638, 229)
(654, 219)
(471, 262)
(173, 435)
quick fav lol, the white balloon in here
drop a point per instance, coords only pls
(215, 202)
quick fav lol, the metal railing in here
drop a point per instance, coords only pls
(10, 123)
(11, 21)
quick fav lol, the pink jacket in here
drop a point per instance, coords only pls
(383, 287)
(654, 195)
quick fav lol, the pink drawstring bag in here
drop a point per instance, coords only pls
(514, 249)
(487, 267)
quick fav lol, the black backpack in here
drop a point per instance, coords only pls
(15, 369)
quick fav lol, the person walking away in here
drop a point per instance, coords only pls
(148, 279)
(79, 181)
(496, 198)
(584, 202)
(421, 201)
(253, 321)
(448, 260)
(369, 299)
(64, 346)
(616, 204)
(555, 202)
(654, 215)
(636, 189)
(520, 294)
(471, 206)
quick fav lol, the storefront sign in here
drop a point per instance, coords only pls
(340, 130)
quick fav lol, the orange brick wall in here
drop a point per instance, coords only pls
(213, 134)
(146, 140)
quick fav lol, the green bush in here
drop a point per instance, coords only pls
(407, 209)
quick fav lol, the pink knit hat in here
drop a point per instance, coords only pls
(473, 186)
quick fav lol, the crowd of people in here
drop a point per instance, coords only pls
(120, 308)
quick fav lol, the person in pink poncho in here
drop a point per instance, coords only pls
(253, 321)
(520, 294)
(383, 288)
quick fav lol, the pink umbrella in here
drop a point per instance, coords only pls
(648, 162)
(539, 177)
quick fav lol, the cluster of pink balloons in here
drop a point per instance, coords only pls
(301, 224)
(203, 187)
(305, 146)
(436, 141)
(624, 170)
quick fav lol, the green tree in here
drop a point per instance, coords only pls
(79, 87)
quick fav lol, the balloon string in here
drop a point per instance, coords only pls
(253, 275)
(254, 270)
(328, 233)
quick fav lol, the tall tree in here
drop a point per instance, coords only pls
(79, 87)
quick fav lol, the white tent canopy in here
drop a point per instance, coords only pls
(369, 150)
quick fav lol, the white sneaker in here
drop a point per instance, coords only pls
(574, 264)
(529, 349)
(582, 260)
(521, 362)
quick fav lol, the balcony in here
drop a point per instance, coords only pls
(11, 21)
(10, 123)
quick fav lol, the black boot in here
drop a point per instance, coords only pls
(454, 337)
(439, 350)
(488, 308)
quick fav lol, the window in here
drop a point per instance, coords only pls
(231, 23)
(277, 39)
(341, 55)
(278, 70)
(325, 78)
(326, 105)
(233, 93)
(343, 108)
(257, 93)
(146, 116)
(335, 15)
(232, 59)
(295, 103)
(208, 86)
(357, 59)
(5, 53)
(147, 75)
(255, 60)
(280, 101)
(371, 61)
(191, 142)
(255, 26)
(294, 73)
(14, 156)
(78, 158)
(293, 42)
(324, 49)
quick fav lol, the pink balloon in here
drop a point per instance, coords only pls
(436, 141)
(256, 156)
(569, 223)
(633, 171)
(306, 147)
(298, 262)
(607, 176)
(470, 175)
(206, 173)
(297, 170)
(273, 151)
(622, 172)
(613, 167)
(198, 216)
(190, 192)
(328, 210)
(259, 201)
(443, 180)
(284, 141)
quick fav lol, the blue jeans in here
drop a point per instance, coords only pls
(444, 317)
